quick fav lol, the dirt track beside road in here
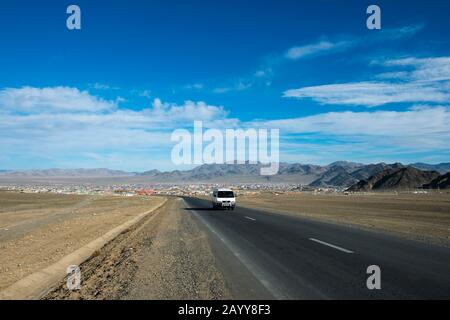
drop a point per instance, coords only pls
(167, 256)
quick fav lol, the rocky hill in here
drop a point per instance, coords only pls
(335, 176)
(441, 182)
(339, 175)
(405, 178)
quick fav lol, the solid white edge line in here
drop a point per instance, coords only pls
(250, 218)
(330, 245)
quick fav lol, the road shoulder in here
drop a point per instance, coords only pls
(167, 257)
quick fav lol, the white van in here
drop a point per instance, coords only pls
(223, 198)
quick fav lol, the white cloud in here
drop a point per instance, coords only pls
(425, 80)
(260, 73)
(54, 131)
(145, 93)
(400, 75)
(102, 86)
(240, 85)
(372, 94)
(395, 33)
(419, 120)
(189, 111)
(423, 69)
(112, 135)
(295, 53)
(422, 128)
(222, 90)
(321, 47)
(60, 99)
(328, 47)
(195, 86)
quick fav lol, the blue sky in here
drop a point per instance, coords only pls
(109, 95)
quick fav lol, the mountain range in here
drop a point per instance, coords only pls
(101, 172)
(342, 174)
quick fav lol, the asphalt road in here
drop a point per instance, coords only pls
(271, 256)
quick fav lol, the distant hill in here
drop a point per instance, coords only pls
(441, 182)
(298, 168)
(237, 173)
(369, 170)
(70, 173)
(336, 175)
(396, 179)
(208, 173)
(341, 174)
(347, 165)
(150, 173)
(441, 167)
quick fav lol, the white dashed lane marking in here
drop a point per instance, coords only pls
(331, 245)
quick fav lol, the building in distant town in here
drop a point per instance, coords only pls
(145, 192)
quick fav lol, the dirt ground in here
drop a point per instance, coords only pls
(417, 216)
(166, 256)
(37, 230)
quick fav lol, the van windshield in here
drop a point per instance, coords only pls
(225, 194)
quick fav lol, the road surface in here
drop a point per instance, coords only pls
(264, 255)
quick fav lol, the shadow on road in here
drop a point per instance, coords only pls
(198, 209)
(205, 209)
